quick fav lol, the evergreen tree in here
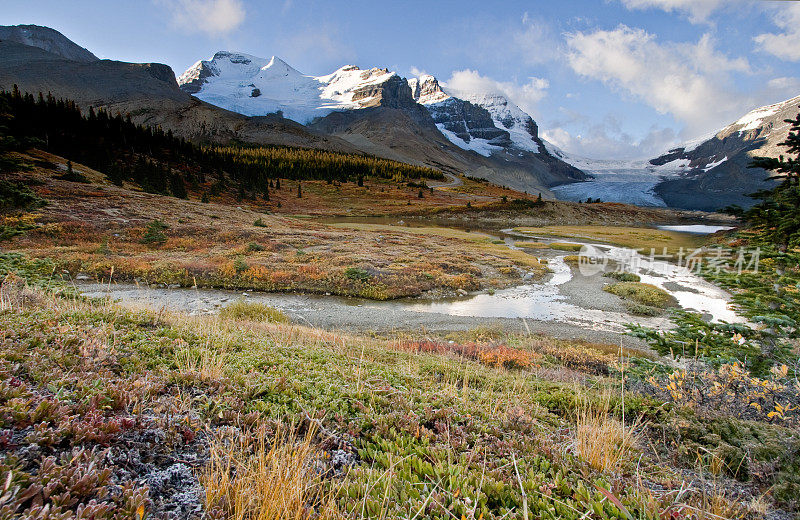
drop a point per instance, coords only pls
(299, 191)
(777, 216)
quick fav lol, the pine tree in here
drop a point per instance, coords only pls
(299, 191)
(777, 216)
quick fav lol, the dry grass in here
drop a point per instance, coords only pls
(259, 479)
(92, 228)
(530, 244)
(602, 440)
(205, 365)
(15, 294)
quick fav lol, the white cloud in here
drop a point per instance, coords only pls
(525, 95)
(417, 72)
(784, 86)
(605, 140)
(689, 81)
(786, 44)
(696, 10)
(489, 41)
(213, 17)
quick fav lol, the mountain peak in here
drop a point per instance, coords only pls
(426, 90)
(47, 39)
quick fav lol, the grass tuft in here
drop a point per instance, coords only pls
(565, 246)
(602, 440)
(253, 478)
(252, 311)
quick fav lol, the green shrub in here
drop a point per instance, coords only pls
(253, 311)
(356, 273)
(254, 247)
(623, 276)
(17, 196)
(259, 223)
(637, 309)
(240, 265)
(154, 234)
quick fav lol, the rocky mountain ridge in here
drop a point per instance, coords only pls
(713, 171)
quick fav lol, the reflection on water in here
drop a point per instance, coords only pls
(696, 229)
(541, 302)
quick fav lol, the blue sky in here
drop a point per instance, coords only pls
(603, 78)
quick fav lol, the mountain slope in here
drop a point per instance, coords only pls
(46, 39)
(715, 169)
(149, 92)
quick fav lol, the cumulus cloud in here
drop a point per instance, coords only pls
(417, 72)
(525, 95)
(605, 140)
(689, 81)
(212, 17)
(785, 44)
(696, 10)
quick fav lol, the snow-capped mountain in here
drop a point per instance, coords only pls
(761, 129)
(255, 87)
(482, 122)
(479, 121)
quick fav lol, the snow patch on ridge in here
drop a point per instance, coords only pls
(255, 86)
(481, 146)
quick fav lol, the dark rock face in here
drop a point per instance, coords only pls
(47, 39)
(726, 185)
(468, 121)
(194, 86)
(393, 93)
(161, 72)
(709, 186)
